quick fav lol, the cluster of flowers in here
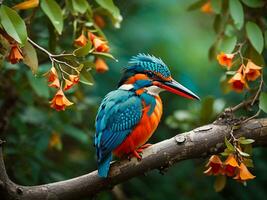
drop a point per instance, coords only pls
(99, 45)
(248, 72)
(230, 167)
(60, 102)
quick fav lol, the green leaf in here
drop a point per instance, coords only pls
(54, 13)
(229, 30)
(227, 44)
(245, 141)
(83, 51)
(216, 6)
(242, 153)
(255, 36)
(257, 58)
(213, 51)
(80, 6)
(76, 133)
(247, 149)
(39, 85)
(86, 77)
(88, 64)
(254, 3)
(237, 13)
(218, 24)
(229, 145)
(112, 9)
(219, 183)
(196, 5)
(265, 38)
(30, 57)
(248, 162)
(13, 24)
(105, 55)
(33, 115)
(263, 102)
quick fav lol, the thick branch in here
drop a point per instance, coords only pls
(197, 143)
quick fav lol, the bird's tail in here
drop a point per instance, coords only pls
(103, 166)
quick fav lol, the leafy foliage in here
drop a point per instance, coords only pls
(46, 146)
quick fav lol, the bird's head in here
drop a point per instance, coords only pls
(151, 73)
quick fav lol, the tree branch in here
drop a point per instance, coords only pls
(197, 143)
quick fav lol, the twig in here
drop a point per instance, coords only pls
(258, 91)
(252, 117)
(238, 106)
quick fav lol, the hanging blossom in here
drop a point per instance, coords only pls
(60, 102)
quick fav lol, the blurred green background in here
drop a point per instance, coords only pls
(161, 28)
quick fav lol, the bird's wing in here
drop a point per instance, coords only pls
(118, 114)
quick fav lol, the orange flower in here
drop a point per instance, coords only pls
(55, 141)
(81, 40)
(91, 36)
(243, 174)
(15, 54)
(59, 102)
(51, 75)
(252, 71)
(231, 165)
(55, 83)
(73, 79)
(207, 8)
(68, 84)
(100, 22)
(100, 65)
(26, 5)
(238, 82)
(98, 43)
(52, 78)
(214, 165)
(225, 59)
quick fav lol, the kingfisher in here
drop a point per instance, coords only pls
(129, 115)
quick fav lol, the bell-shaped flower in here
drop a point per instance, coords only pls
(215, 166)
(225, 59)
(60, 102)
(252, 71)
(101, 66)
(15, 54)
(243, 173)
(238, 82)
(81, 40)
(231, 165)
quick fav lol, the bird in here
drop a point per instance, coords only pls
(128, 116)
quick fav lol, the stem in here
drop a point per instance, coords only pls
(258, 91)
(252, 117)
(41, 48)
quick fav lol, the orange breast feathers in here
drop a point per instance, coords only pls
(142, 132)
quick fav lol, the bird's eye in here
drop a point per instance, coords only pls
(150, 74)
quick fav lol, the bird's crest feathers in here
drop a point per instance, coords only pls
(143, 62)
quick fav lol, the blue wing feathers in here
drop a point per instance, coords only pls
(119, 113)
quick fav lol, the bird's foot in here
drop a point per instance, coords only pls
(141, 149)
(136, 154)
(146, 146)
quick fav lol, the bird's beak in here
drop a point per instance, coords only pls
(176, 88)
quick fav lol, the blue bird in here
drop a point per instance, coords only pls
(128, 116)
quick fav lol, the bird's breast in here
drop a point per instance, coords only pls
(142, 131)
